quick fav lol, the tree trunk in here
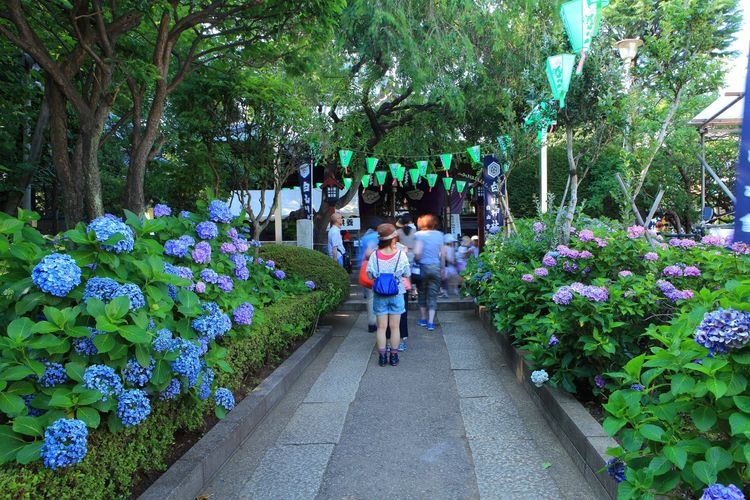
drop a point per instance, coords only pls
(35, 155)
(573, 177)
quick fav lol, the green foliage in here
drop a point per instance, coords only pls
(690, 425)
(329, 277)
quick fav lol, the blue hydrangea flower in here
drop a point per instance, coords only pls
(224, 398)
(202, 253)
(637, 387)
(723, 330)
(107, 226)
(242, 273)
(187, 239)
(163, 341)
(132, 291)
(181, 271)
(209, 276)
(64, 443)
(232, 233)
(218, 211)
(207, 230)
(56, 274)
(104, 379)
(718, 491)
(239, 260)
(616, 469)
(30, 410)
(54, 375)
(599, 381)
(184, 214)
(310, 285)
(188, 363)
(176, 248)
(136, 375)
(225, 283)
(85, 346)
(553, 341)
(207, 381)
(171, 391)
(161, 210)
(270, 264)
(133, 407)
(279, 274)
(100, 288)
(539, 377)
(212, 324)
(243, 315)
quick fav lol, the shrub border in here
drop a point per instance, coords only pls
(187, 477)
(580, 434)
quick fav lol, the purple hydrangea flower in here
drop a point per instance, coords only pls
(637, 387)
(202, 253)
(310, 285)
(243, 315)
(723, 330)
(161, 210)
(241, 273)
(541, 271)
(691, 272)
(625, 273)
(712, 240)
(616, 469)
(586, 235)
(740, 248)
(232, 233)
(225, 283)
(636, 232)
(279, 274)
(651, 256)
(218, 211)
(270, 264)
(672, 271)
(595, 293)
(570, 267)
(683, 243)
(599, 381)
(586, 254)
(242, 246)
(207, 230)
(209, 276)
(228, 248)
(600, 242)
(549, 261)
(527, 278)
(199, 287)
(553, 341)
(538, 227)
(562, 296)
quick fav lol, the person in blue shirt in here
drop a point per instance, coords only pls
(367, 243)
(335, 244)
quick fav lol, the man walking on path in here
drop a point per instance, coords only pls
(335, 244)
(367, 244)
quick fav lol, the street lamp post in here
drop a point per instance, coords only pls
(628, 48)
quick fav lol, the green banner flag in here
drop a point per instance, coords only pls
(414, 176)
(347, 183)
(447, 183)
(401, 172)
(394, 169)
(559, 71)
(445, 159)
(432, 180)
(422, 166)
(380, 175)
(474, 154)
(460, 186)
(366, 181)
(582, 19)
(318, 184)
(371, 164)
(345, 156)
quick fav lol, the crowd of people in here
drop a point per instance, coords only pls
(399, 262)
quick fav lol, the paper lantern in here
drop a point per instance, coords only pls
(559, 71)
(460, 186)
(318, 184)
(380, 176)
(394, 169)
(414, 175)
(365, 181)
(422, 166)
(371, 164)
(432, 180)
(400, 174)
(347, 183)
(474, 154)
(447, 183)
(582, 19)
(445, 159)
(345, 156)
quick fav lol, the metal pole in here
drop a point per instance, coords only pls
(543, 176)
(703, 177)
(717, 179)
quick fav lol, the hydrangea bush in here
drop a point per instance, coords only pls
(579, 310)
(107, 319)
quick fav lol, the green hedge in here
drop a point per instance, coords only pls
(312, 265)
(116, 461)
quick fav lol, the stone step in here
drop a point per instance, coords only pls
(449, 304)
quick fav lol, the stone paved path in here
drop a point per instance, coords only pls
(449, 422)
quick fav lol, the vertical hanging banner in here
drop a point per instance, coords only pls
(305, 186)
(493, 217)
(742, 191)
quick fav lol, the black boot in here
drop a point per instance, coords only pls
(394, 358)
(383, 359)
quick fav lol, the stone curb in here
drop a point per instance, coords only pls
(580, 434)
(187, 477)
(359, 305)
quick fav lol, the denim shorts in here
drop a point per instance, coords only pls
(388, 304)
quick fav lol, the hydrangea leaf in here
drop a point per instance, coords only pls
(117, 308)
(142, 353)
(29, 453)
(17, 372)
(652, 432)
(717, 387)
(11, 404)
(739, 423)
(135, 334)
(28, 426)
(44, 327)
(55, 316)
(720, 457)
(10, 443)
(50, 343)
(737, 383)
(677, 456)
(705, 471)
(79, 236)
(703, 417)
(682, 383)
(88, 396)
(61, 399)
(88, 416)
(20, 329)
(104, 343)
(742, 402)
(162, 372)
(29, 302)
(10, 225)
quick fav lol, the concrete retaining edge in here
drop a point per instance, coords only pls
(187, 477)
(580, 434)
